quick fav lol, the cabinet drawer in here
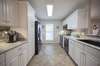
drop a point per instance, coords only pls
(92, 51)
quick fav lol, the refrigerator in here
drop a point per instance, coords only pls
(38, 42)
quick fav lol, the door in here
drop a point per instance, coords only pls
(49, 30)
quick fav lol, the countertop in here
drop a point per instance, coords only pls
(85, 38)
(4, 47)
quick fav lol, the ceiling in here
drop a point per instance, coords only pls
(62, 8)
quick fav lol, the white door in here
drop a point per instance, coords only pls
(49, 30)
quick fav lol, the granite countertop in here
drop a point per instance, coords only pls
(4, 47)
(85, 38)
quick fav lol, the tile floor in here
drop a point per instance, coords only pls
(51, 55)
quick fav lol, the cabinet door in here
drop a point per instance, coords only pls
(22, 60)
(29, 52)
(1, 11)
(33, 37)
(91, 60)
(95, 8)
(72, 49)
(2, 60)
(83, 17)
(11, 12)
(23, 56)
(82, 59)
(77, 54)
(13, 62)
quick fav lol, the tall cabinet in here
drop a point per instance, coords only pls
(27, 23)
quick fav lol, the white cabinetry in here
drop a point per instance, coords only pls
(27, 20)
(92, 56)
(95, 9)
(92, 60)
(12, 12)
(2, 60)
(23, 55)
(84, 55)
(13, 62)
(3, 13)
(72, 49)
(79, 19)
(8, 13)
(17, 56)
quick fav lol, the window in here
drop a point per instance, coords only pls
(49, 32)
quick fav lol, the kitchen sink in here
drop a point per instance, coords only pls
(92, 42)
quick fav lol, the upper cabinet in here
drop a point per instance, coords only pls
(3, 12)
(83, 17)
(12, 12)
(8, 12)
(71, 21)
(95, 9)
(79, 19)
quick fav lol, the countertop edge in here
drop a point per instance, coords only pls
(76, 39)
(19, 44)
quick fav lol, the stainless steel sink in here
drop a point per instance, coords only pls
(92, 42)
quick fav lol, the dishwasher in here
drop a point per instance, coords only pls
(66, 45)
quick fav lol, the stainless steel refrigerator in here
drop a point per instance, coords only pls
(38, 42)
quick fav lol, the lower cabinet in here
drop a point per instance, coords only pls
(82, 59)
(2, 60)
(17, 56)
(21, 59)
(71, 49)
(84, 55)
(13, 62)
(29, 52)
(92, 60)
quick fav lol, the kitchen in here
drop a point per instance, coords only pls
(30, 37)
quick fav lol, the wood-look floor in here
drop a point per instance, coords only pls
(51, 55)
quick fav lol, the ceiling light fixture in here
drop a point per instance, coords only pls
(49, 10)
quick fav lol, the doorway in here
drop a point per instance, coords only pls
(49, 30)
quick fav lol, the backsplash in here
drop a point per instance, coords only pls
(2, 29)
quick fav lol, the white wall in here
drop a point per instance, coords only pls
(56, 31)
